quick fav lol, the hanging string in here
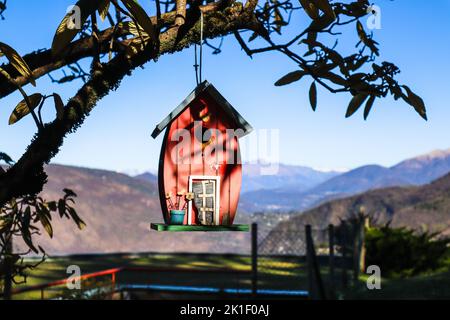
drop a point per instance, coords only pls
(197, 66)
(201, 45)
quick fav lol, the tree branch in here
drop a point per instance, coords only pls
(27, 176)
(181, 12)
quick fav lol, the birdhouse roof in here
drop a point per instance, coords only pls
(207, 87)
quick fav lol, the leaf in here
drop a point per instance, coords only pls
(355, 103)
(62, 208)
(310, 9)
(69, 193)
(416, 101)
(17, 62)
(361, 33)
(141, 17)
(59, 106)
(131, 28)
(22, 109)
(253, 37)
(103, 9)
(25, 229)
(313, 96)
(368, 106)
(321, 23)
(43, 218)
(66, 31)
(52, 206)
(290, 77)
(5, 158)
(78, 221)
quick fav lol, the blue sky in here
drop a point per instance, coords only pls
(414, 35)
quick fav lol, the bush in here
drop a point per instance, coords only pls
(402, 252)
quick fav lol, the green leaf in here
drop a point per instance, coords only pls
(103, 9)
(368, 106)
(253, 37)
(131, 28)
(69, 193)
(43, 216)
(59, 106)
(313, 96)
(141, 17)
(22, 109)
(17, 62)
(355, 103)
(416, 101)
(361, 33)
(78, 221)
(65, 34)
(310, 9)
(5, 158)
(321, 23)
(62, 208)
(290, 77)
(52, 206)
(25, 229)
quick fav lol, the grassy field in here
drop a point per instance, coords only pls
(275, 273)
(286, 273)
(428, 286)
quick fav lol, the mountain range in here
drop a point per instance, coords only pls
(422, 208)
(118, 208)
(412, 172)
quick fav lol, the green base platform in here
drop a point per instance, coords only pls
(180, 228)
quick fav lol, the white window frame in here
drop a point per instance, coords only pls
(217, 202)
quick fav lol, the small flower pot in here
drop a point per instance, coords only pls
(177, 217)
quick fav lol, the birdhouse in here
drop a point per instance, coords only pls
(200, 171)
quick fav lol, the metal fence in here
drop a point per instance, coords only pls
(281, 257)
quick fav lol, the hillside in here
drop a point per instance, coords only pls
(421, 208)
(118, 210)
(416, 171)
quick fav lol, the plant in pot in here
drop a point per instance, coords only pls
(178, 213)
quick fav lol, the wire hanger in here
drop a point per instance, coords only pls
(199, 66)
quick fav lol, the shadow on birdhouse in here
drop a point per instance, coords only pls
(200, 170)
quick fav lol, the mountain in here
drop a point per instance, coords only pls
(415, 171)
(149, 177)
(425, 208)
(425, 168)
(118, 210)
(260, 176)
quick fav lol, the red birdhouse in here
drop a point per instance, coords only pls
(200, 172)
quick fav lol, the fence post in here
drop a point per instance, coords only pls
(331, 258)
(7, 288)
(362, 260)
(355, 254)
(314, 279)
(344, 237)
(254, 259)
(309, 268)
(113, 284)
(358, 247)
